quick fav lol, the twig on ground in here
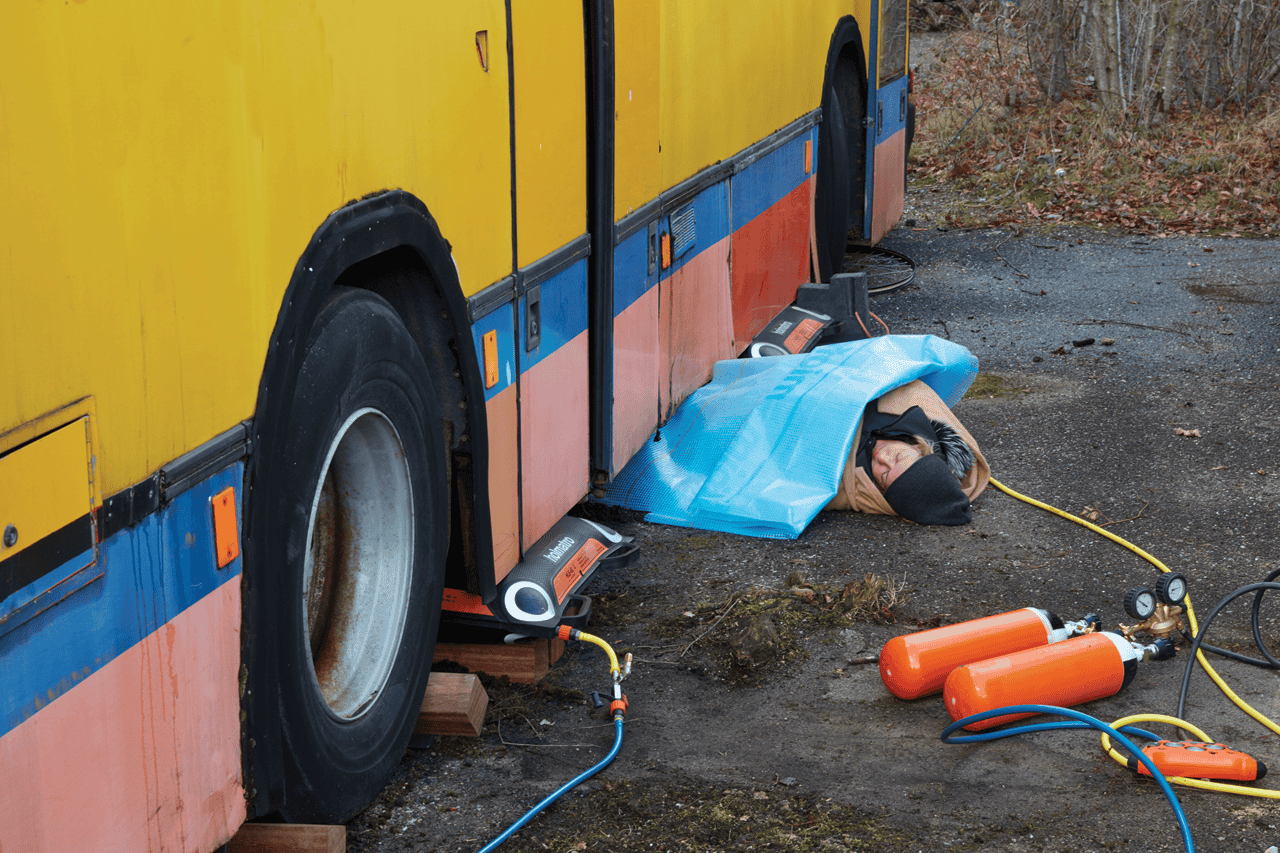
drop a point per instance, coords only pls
(1145, 504)
(1016, 271)
(732, 604)
(1134, 325)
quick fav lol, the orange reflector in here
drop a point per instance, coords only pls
(808, 156)
(666, 251)
(226, 534)
(490, 359)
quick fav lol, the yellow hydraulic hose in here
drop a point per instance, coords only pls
(567, 633)
(1191, 616)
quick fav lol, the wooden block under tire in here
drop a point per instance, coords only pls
(288, 838)
(522, 662)
(454, 705)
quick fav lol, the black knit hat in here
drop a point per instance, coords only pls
(928, 493)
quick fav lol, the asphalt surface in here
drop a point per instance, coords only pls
(1099, 347)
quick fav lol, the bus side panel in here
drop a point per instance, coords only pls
(772, 211)
(890, 158)
(635, 98)
(890, 183)
(635, 348)
(550, 125)
(697, 324)
(695, 319)
(504, 455)
(554, 454)
(120, 706)
(735, 71)
(177, 157)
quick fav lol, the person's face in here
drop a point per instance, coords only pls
(889, 458)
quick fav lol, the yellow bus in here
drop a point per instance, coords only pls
(319, 318)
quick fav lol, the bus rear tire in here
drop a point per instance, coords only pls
(840, 193)
(365, 521)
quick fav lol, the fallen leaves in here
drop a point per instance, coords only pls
(1035, 161)
(1190, 433)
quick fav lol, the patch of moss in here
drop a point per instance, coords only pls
(751, 634)
(1222, 293)
(989, 385)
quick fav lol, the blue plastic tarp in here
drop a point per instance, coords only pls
(759, 450)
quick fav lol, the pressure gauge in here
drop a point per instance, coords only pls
(1171, 588)
(1140, 602)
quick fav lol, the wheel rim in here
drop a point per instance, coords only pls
(359, 563)
(886, 269)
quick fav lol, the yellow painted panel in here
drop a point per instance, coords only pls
(637, 173)
(45, 486)
(734, 71)
(167, 163)
(551, 122)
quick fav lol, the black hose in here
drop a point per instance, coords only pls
(1198, 644)
(1270, 661)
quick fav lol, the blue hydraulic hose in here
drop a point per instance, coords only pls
(1083, 721)
(564, 789)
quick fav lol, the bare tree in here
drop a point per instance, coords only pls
(1140, 57)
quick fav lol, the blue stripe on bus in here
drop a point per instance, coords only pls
(630, 271)
(501, 321)
(890, 99)
(711, 215)
(563, 300)
(763, 183)
(152, 573)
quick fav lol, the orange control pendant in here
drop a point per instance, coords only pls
(916, 665)
(1199, 760)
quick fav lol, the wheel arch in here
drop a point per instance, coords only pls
(379, 238)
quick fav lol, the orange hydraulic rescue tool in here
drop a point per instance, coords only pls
(916, 665)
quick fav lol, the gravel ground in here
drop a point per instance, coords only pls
(1095, 347)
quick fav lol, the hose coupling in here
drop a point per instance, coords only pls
(621, 674)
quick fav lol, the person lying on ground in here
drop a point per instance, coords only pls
(913, 458)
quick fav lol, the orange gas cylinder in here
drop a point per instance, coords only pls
(1077, 670)
(916, 665)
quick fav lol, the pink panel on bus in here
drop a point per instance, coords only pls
(890, 184)
(504, 480)
(555, 458)
(696, 325)
(635, 376)
(770, 261)
(144, 754)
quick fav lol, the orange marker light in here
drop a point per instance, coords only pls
(808, 156)
(226, 533)
(490, 359)
(666, 251)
